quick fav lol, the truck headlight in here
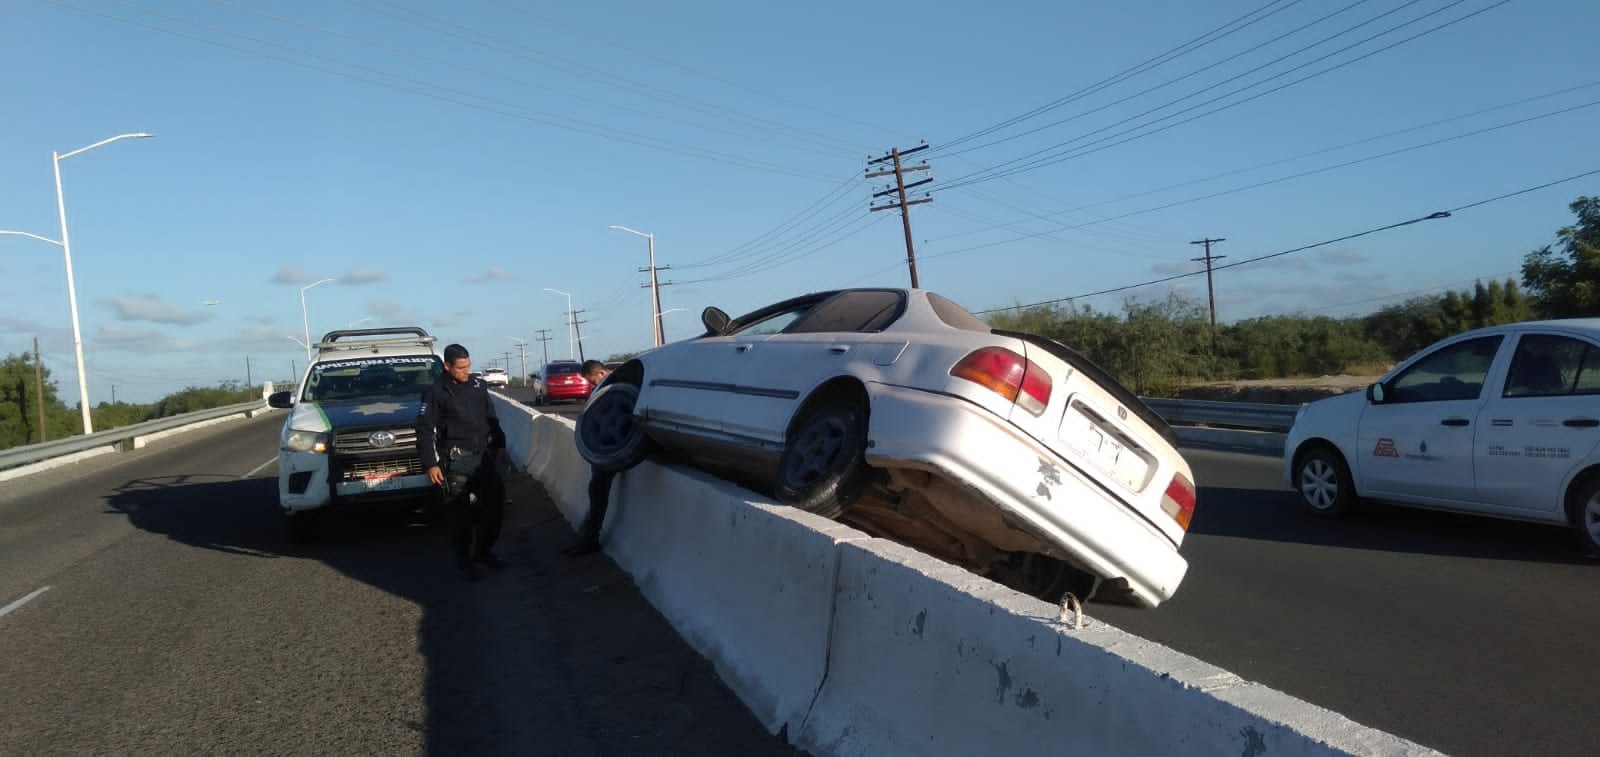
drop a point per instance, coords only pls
(307, 441)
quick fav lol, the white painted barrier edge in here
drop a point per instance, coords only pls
(1292, 726)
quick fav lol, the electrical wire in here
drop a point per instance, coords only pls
(1247, 261)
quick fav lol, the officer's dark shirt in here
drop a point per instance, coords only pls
(457, 415)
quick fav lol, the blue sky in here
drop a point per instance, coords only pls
(447, 166)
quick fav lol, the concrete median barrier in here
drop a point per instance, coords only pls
(928, 658)
(748, 585)
(850, 645)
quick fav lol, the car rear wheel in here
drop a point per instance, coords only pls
(822, 469)
(1323, 480)
(1586, 515)
(609, 436)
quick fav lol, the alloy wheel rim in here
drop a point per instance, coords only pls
(1319, 483)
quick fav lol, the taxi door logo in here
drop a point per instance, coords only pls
(1385, 448)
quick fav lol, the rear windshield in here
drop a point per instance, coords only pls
(563, 368)
(372, 378)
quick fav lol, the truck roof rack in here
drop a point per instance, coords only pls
(375, 339)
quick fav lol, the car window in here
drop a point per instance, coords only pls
(372, 378)
(556, 369)
(1547, 365)
(1588, 380)
(859, 311)
(1455, 372)
(774, 323)
(956, 316)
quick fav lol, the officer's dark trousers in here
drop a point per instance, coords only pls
(474, 526)
(599, 500)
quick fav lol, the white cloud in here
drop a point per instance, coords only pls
(359, 276)
(1342, 256)
(491, 275)
(291, 274)
(115, 336)
(151, 308)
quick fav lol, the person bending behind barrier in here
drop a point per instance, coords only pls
(462, 445)
(599, 482)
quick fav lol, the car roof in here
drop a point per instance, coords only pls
(1590, 326)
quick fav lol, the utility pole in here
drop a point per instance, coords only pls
(522, 347)
(544, 342)
(247, 377)
(578, 335)
(38, 389)
(113, 394)
(900, 186)
(655, 292)
(1211, 293)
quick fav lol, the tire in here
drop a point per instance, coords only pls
(1585, 515)
(822, 469)
(1323, 480)
(609, 436)
(304, 525)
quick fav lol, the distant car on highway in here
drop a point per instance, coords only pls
(1501, 421)
(562, 380)
(496, 377)
(903, 414)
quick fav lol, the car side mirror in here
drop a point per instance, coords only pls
(280, 400)
(1375, 393)
(715, 320)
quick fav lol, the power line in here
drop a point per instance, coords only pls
(1149, 63)
(1430, 217)
(1191, 74)
(1061, 151)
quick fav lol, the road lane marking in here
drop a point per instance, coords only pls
(258, 468)
(4, 611)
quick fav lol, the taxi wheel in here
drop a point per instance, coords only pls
(609, 436)
(1323, 480)
(1586, 515)
(822, 469)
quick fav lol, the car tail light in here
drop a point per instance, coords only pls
(1178, 501)
(1008, 374)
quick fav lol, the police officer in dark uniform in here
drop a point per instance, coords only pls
(462, 446)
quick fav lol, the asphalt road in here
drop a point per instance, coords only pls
(167, 612)
(1465, 634)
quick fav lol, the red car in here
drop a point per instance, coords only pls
(563, 380)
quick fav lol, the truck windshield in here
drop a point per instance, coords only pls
(372, 378)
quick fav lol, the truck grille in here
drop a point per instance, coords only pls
(359, 470)
(405, 438)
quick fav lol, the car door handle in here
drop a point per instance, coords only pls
(838, 349)
(1581, 422)
(1454, 422)
(741, 348)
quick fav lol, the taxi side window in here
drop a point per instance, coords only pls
(1589, 373)
(1456, 372)
(1546, 365)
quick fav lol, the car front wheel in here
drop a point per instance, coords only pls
(609, 436)
(822, 469)
(1586, 516)
(1323, 480)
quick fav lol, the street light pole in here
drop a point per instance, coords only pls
(655, 285)
(571, 322)
(72, 290)
(305, 320)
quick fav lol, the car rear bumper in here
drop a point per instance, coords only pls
(951, 436)
(566, 392)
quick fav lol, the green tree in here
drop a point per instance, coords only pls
(19, 405)
(1566, 283)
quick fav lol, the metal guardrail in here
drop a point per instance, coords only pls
(1253, 416)
(120, 437)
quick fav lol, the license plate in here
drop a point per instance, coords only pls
(382, 483)
(1084, 435)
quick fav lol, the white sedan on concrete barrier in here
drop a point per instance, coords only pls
(1502, 421)
(903, 414)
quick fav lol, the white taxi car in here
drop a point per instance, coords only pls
(908, 417)
(496, 377)
(1501, 421)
